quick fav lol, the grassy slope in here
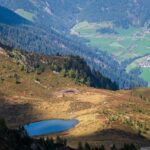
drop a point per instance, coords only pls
(98, 111)
(146, 74)
(25, 14)
(128, 43)
(145, 71)
(135, 64)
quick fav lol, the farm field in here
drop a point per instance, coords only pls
(124, 44)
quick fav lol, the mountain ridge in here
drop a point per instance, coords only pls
(70, 66)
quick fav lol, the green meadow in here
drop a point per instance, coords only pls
(146, 74)
(27, 15)
(123, 43)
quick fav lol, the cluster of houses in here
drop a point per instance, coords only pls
(145, 63)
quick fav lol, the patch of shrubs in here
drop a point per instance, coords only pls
(86, 146)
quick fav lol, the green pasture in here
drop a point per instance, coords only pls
(133, 40)
(27, 15)
(127, 43)
(145, 74)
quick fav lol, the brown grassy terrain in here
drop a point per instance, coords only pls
(104, 116)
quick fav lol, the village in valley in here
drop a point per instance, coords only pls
(146, 62)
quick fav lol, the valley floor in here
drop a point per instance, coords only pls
(123, 44)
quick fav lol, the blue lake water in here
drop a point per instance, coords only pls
(49, 126)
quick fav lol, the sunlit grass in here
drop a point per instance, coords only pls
(27, 15)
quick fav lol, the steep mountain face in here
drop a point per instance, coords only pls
(33, 38)
(64, 14)
(48, 13)
(9, 17)
(123, 12)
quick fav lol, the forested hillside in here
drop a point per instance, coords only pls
(73, 67)
(28, 38)
(9, 17)
(122, 13)
(62, 15)
(35, 38)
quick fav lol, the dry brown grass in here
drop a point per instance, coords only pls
(103, 115)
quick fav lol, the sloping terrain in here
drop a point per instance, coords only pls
(122, 13)
(105, 117)
(16, 139)
(9, 17)
(130, 47)
(51, 91)
(62, 15)
(69, 66)
(31, 38)
(34, 38)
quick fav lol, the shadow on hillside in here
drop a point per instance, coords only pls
(14, 113)
(108, 137)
